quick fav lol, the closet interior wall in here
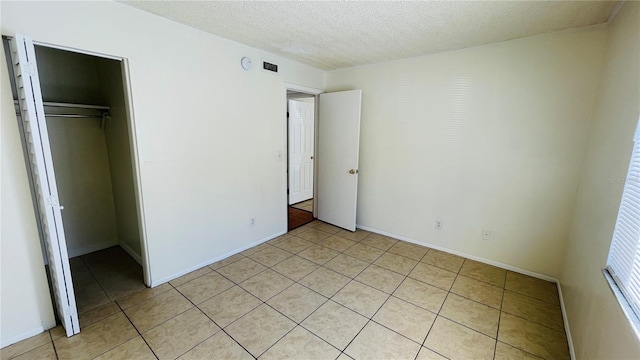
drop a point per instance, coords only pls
(91, 157)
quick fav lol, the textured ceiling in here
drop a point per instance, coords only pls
(331, 35)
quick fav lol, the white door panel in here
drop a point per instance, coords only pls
(37, 138)
(338, 151)
(301, 139)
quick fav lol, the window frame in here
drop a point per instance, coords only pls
(624, 293)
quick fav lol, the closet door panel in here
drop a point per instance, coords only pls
(39, 152)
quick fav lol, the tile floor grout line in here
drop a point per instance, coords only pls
(269, 267)
(356, 335)
(533, 298)
(495, 347)
(97, 282)
(533, 322)
(198, 344)
(396, 332)
(136, 329)
(331, 298)
(287, 333)
(521, 349)
(463, 325)
(165, 321)
(468, 327)
(100, 283)
(231, 337)
(220, 327)
(438, 313)
(370, 319)
(295, 255)
(249, 292)
(53, 345)
(482, 281)
(328, 297)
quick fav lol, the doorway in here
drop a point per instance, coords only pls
(336, 139)
(79, 146)
(301, 138)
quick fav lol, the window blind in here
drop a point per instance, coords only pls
(623, 262)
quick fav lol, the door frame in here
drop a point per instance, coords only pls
(315, 93)
(134, 146)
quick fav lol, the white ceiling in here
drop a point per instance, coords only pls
(331, 35)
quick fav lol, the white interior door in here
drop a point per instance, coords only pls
(35, 130)
(338, 149)
(301, 139)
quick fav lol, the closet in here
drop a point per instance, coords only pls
(88, 127)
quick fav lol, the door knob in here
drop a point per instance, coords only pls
(353, 171)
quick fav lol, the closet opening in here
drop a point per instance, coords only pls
(92, 144)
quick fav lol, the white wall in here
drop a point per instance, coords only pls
(208, 134)
(25, 306)
(120, 163)
(598, 326)
(490, 137)
(79, 152)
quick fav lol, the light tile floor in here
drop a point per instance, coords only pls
(319, 292)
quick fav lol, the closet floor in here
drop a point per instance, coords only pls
(104, 276)
(320, 292)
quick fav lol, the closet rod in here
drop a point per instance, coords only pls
(69, 105)
(78, 116)
(75, 116)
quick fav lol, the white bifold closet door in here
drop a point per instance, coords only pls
(35, 130)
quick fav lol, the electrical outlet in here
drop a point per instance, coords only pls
(253, 221)
(438, 224)
(486, 234)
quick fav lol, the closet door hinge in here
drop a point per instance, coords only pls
(52, 201)
(29, 68)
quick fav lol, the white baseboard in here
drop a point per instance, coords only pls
(565, 319)
(494, 263)
(20, 337)
(86, 249)
(155, 283)
(463, 254)
(131, 252)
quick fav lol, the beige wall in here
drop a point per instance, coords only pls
(208, 135)
(490, 137)
(25, 306)
(81, 163)
(118, 146)
(598, 326)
